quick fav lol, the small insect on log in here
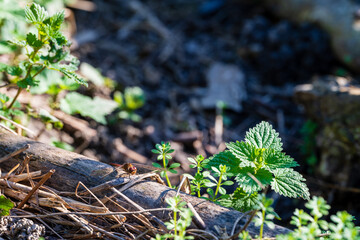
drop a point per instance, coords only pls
(127, 167)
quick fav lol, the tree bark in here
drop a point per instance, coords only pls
(72, 168)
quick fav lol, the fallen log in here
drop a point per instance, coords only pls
(70, 168)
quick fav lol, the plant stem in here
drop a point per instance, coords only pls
(165, 169)
(262, 224)
(218, 186)
(175, 227)
(16, 96)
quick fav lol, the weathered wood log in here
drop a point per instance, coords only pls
(72, 168)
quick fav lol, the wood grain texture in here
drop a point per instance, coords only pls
(72, 168)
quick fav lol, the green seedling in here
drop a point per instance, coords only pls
(47, 48)
(163, 150)
(198, 181)
(222, 175)
(179, 223)
(259, 162)
(265, 214)
(5, 206)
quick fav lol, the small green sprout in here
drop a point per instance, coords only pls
(163, 150)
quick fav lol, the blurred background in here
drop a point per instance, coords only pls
(200, 73)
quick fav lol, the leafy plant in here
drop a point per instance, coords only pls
(222, 173)
(311, 226)
(179, 223)
(163, 150)
(199, 180)
(265, 215)
(132, 99)
(96, 108)
(5, 206)
(47, 48)
(259, 162)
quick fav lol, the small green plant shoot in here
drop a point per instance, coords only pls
(163, 150)
(5, 206)
(256, 163)
(179, 223)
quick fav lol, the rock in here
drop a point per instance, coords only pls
(336, 17)
(334, 104)
(226, 84)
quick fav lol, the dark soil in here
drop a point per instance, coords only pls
(274, 54)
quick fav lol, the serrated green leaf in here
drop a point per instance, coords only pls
(289, 183)
(96, 108)
(274, 160)
(5, 206)
(32, 40)
(243, 201)
(56, 20)
(29, 81)
(248, 184)
(73, 76)
(243, 151)
(264, 136)
(35, 13)
(14, 71)
(224, 158)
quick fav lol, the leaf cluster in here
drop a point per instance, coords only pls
(259, 162)
(163, 151)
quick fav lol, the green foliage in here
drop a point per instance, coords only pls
(5, 206)
(46, 49)
(62, 145)
(132, 99)
(96, 108)
(259, 162)
(308, 148)
(199, 180)
(311, 226)
(177, 224)
(222, 173)
(265, 215)
(163, 150)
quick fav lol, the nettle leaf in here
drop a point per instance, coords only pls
(289, 183)
(274, 160)
(264, 136)
(56, 20)
(29, 81)
(243, 201)
(243, 151)
(35, 13)
(5, 206)
(32, 40)
(224, 158)
(73, 76)
(248, 184)
(96, 108)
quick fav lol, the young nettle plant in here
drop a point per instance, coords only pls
(163, 150)
(256, 163)
(47, 48)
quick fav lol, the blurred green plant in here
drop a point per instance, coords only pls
(308, 148)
